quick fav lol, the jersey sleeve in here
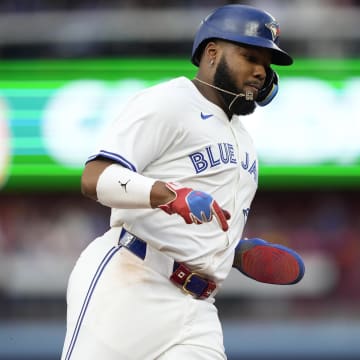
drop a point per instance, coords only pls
(140, 134)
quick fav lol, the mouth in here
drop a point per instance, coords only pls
(255, 88)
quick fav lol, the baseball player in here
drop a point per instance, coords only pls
(179, 172)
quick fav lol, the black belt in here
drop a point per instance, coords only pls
(189, 281)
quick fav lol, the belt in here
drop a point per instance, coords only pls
(190, 282)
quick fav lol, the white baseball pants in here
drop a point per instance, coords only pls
(121, 309)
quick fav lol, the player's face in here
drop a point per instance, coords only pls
(240, 70)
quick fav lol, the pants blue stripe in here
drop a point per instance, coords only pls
(90, 291)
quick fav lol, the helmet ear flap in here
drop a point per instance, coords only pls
(270, 88)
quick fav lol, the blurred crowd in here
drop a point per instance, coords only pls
(105, 28)
(49, 223)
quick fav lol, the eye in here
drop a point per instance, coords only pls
(251, 58)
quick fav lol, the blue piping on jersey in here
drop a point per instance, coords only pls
(112, 156)
(90, 291)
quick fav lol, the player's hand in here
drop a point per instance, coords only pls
(268, 263)
(195, 206)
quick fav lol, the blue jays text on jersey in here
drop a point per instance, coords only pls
(222, 153)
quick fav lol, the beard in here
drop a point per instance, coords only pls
(223, 80)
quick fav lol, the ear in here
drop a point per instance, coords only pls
(211, 52)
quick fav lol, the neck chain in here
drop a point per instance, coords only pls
(217, 88)
(248, 96)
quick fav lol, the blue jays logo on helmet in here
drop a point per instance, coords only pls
(274, 27)
(244, 25)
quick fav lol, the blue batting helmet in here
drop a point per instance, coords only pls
(244, 25)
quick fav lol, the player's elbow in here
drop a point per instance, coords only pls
(88, 186)
(90, 177)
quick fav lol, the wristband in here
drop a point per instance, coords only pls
(118, 187)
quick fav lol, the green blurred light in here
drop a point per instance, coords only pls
(27, 84)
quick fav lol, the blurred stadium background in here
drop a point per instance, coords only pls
(66, 68)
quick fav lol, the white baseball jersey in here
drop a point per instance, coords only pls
(171, 132)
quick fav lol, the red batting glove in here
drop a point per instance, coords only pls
(195, 206)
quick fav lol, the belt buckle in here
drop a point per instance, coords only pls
(187, 280)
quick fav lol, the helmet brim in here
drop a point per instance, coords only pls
(278, 56)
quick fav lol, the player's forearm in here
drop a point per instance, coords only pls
(115, 186)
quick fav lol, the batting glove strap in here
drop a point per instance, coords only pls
(194, 206)
(268, 263)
